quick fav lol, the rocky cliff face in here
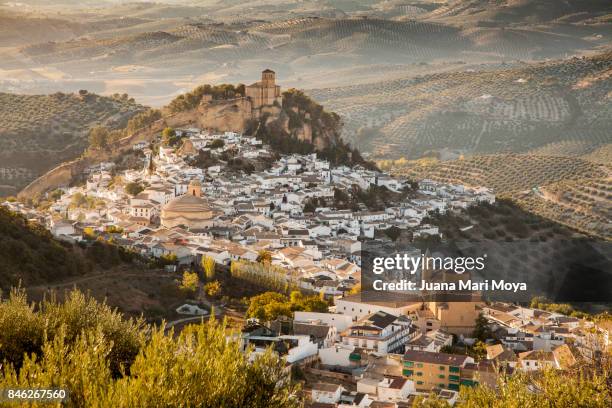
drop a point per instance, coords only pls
(293, 120)
(224, 115)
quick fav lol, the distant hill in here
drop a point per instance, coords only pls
(508, 109)
(17, 30)
(574, 191)
(38, 132)
(157, 50)
(528, 247)
(519, 11)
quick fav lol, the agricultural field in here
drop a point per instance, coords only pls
(514, 109)
(525, 246)
(568, 190)
(157, 50)
(38, 132)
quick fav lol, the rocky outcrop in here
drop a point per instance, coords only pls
(224, 115)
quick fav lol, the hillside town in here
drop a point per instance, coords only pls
(189, 212)
(361, 353)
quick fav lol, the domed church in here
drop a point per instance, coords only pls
(189, 210)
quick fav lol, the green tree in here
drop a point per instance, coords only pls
(78, 200)
(311, 205)
(26, 329)
(98, 137)
(169, 137)
(393, 233)
(199, 367)
(482, 331)
(549, 388)
(268, 306)
(216, 144)
(133, 188)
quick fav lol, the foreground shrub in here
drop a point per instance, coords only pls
(104, 360)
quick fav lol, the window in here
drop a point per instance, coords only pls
(453, 377)
(429, 323)
(407, 373)
(419, 382)
(419, 374)
(441, 385)
(442, 368)
(408, 364)
(441, 376)
(419, 365)
(454, 369)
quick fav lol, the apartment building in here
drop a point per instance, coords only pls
(380, 332)
(436, 370)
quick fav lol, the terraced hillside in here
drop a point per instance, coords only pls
(573, 191)
(17, 30)
(517, 11)
(507, 109)
(38, 132)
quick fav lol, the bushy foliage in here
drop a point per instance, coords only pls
(26, 329)
(190, 282)
(133, 188)
(30, 254)
(192, 99)
(98, 137)
(201, 367)
(169, 137)
(270, 305)
(549, 388)
(213, 289)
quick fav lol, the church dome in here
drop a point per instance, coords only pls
(187, 203)
(188, 210)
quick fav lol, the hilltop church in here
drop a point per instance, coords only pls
(264, 92)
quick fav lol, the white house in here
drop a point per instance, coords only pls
(356, 307)
(380, 332)
(325, 393)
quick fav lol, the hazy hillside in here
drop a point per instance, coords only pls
(574, 191)
(38, 132)
(518, 11)
(157, 50)
(484, 111)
